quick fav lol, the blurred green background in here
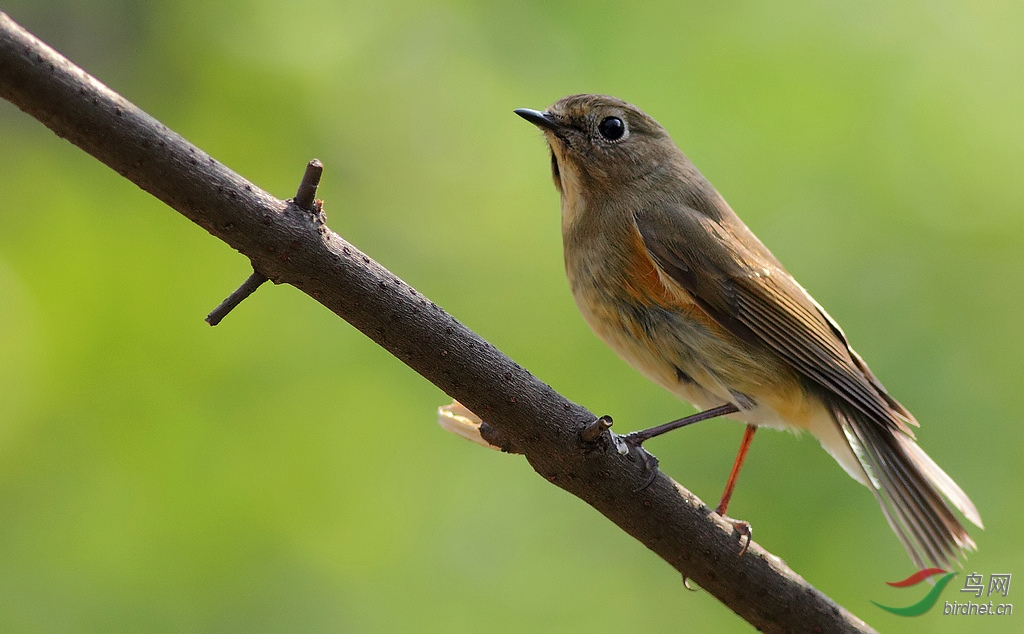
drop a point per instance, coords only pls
(282, 473)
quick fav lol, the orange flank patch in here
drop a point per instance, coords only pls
(644, 284)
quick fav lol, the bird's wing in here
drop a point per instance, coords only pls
(743, 288)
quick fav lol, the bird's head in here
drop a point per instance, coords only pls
(601, 145)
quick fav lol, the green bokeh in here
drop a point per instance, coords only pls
(282, 473)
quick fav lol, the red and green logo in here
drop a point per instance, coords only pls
(929, 599)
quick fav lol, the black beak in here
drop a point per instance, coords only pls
(539, 119)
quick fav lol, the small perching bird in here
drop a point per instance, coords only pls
(668, 276)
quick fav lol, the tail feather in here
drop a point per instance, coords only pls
(909, 487)
(942, 482)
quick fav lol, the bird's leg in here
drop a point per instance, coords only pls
(742, 528)
(635, 440)
(638, 438)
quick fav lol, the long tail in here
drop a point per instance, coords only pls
(909, 487)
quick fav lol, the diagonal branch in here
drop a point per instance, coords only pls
(292, 245)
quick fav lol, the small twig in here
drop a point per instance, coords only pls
(305, 198)
(306, 195)
(247, 288)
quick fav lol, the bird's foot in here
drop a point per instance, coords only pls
(634, 441)
(600, 429)
(742, 528)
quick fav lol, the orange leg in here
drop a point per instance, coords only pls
(748, 436)
(742, 528)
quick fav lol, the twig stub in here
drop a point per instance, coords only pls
(595, 428)
(305, 198)
(306, 194)
(247, 288)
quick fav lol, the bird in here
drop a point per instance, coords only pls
(668, 276)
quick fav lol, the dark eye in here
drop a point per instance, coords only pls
(612, 128)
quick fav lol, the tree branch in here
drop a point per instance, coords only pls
(291, 244)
